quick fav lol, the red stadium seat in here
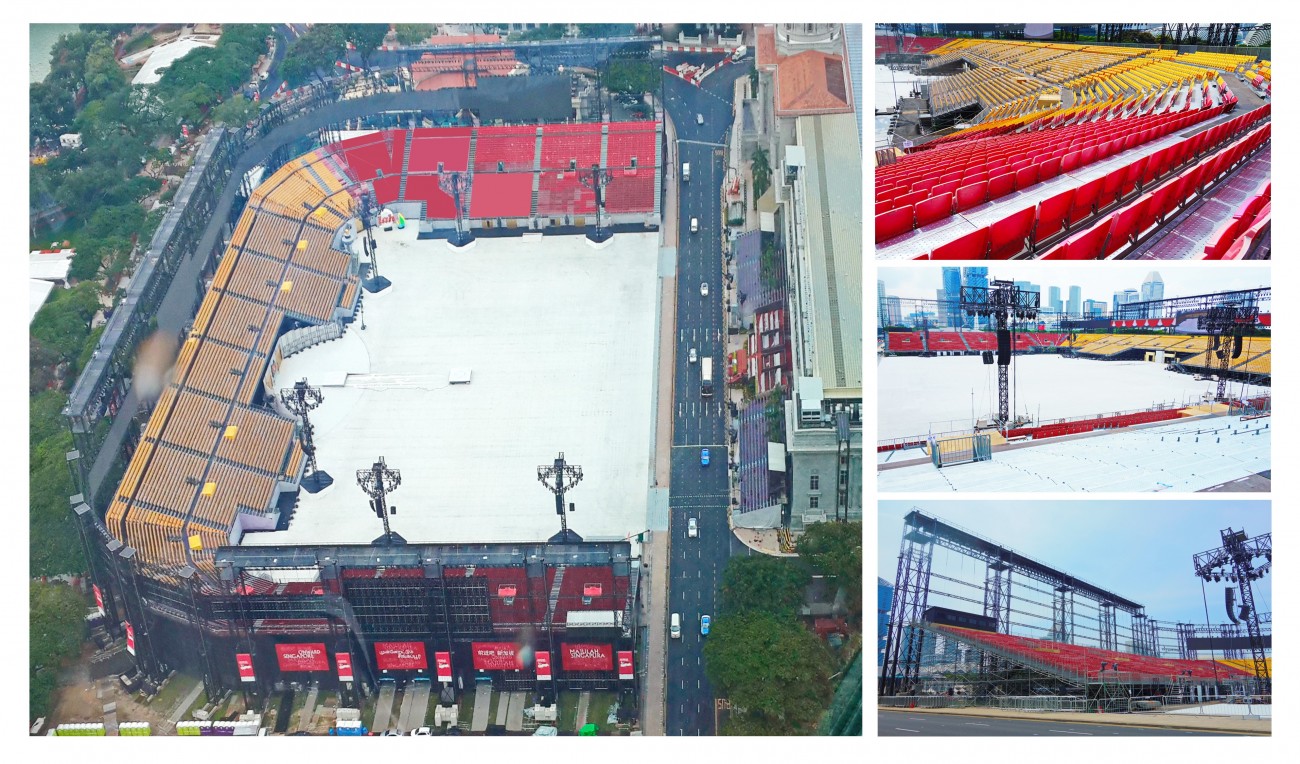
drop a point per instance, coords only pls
(1148, 215)
(1110, 188)
(1001, 185)
(1085, 197)
(947, 187)
(893, 223)
(934, 209)
(972, 246)
(1071, 161)
(1050, 169)
(1085, 245)
(1007, 237)
(1126, 225)
(1052, 214)
(972, 195)
(1026, 177)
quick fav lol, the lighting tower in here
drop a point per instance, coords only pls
(1224, 325)
(558, 478)
(1003, 301)
(299, 400)
(378, 481)
(596, 179)
(1242, 560)
(456, 185)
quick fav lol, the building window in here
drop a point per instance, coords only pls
(814, 482)
(814, 501)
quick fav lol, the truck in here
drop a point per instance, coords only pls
(686, 172)
(706, 377)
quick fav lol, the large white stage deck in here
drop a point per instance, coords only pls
(560, 341)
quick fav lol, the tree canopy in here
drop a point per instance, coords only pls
(631, 76)
(57, 626)
(835, 549)
(775, 673)
(762, 584)
(414, 34)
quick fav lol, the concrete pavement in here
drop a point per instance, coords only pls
(992, 721)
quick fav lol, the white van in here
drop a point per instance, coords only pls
(699, 119)
(675, 626)
(686, 172)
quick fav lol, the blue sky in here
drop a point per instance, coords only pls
(1141, 550)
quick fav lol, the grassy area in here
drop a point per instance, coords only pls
(199, 702)
(368, 712)
(568, 708)
(171, 694)
(598, 710)
(467, 705)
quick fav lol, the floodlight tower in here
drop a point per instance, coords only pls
(378, 481)
(456, 185)
(596, 179)
(299, 400)
(559, 477)
(1003, 301)
(1224, 325)
(1242, 560)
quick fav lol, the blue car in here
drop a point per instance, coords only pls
(705, 622)
(704, 457)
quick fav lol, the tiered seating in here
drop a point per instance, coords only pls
(427, 188)
(501, 195)
(448, 146)
(1227, 61)
(631, 186)
(367, 157)
(566, 153)
(505, 149)
(986, 85)
(910, 44)
(981, 340)
(1083, 661)
(900, 342)
(947, 342)
(1234, 237)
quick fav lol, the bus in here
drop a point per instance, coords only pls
(706, 377)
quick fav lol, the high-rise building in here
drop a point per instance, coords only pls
(881, 314)
(894, 310)
(1075, 305)
(1153, 288)
(1053, 299)
(975, 277)
(1094, 308)
(950, 296)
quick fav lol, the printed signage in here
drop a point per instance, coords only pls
(442, 661)
(245, 663)
(344, 661)
(302, 656)
(99, 598)
(400, 656)
(544, 667)
(625, 664)
(387, 219)
(496, 656)
(586, 658)
(130, 638)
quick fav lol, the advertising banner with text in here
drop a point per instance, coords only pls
(400, 655)
(578, 657)
(302, 656)
(245, 663)
(496, 656)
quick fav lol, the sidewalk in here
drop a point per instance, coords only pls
(654, 567)
(1162, 721)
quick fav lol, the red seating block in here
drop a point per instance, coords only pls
(972, 246)
(1085, 245)
(1051, 168)
(947, 187)
(1085, 197)
(1026, 177)
(1052, 214)
(1001, 185)
(891, 224)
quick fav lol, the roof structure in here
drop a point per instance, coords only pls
(833, 178)
(38, 291)
(812, 82)
(164, 56)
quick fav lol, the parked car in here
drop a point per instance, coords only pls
(421, 732)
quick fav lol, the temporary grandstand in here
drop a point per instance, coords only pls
(1055, 151)
(464, 367)
(982, 624)
(1147, 400)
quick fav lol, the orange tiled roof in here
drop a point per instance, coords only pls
(765, 50)
(812, 82)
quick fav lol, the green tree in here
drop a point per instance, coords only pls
(760, 583)
(835, 549)
(57, 626)
(635, 76)
(366, 37)
(237, 111)
(312, 54)
(414, 34)
(103, 76)
(761, 168)
(775, 673)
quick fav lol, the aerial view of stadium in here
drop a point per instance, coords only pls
(1075, 618)
(997, 379)
(1055, 142)
(445, 355)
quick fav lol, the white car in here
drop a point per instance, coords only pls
(692, 357)
(695, 225)
(421, 732)
(704, 289)
(699, 119)
(692, 530)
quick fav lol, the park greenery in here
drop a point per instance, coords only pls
(631, 75)
(776, 673)
(314, 54)
(56, 614)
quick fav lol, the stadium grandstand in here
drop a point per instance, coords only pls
(217, 535)
(985, 625)
(1001, 149)
(1123, 389)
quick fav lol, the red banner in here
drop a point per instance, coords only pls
(442, 662)
(130, 638)
(496, 656)
(625, 664)
(344, 661)
(245, 663)
(99, 598)
(586, 658)
(400, 655)
(544, 667)
(302, 656)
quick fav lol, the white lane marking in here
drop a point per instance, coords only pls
(977, 724)
(1068, 732)
(904, 729)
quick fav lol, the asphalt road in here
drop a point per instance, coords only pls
(695, 564)
(903, 724)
